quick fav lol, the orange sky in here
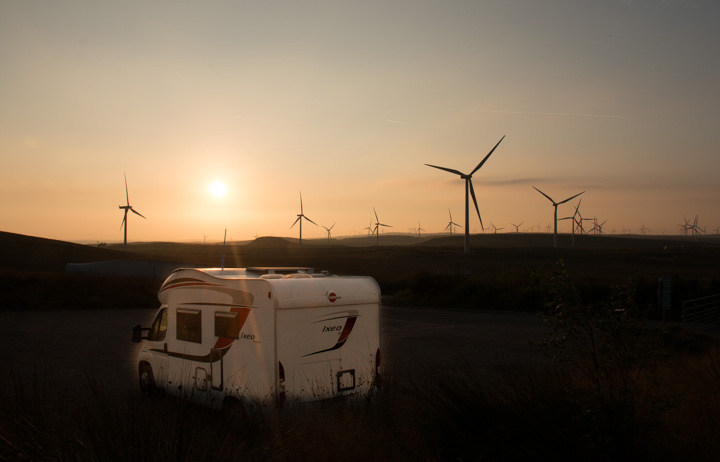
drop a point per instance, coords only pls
(346, 102)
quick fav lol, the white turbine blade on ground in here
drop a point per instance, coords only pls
(136, 213)
(549, 198)
(570, 198)
(486, 157)
(451, 170)
(477, 209)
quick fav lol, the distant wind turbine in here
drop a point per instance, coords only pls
(469, 188)
(576, 221)
(300, 217)
(494, 228)
(555, 205)
(517, 227)
(451, 224)
(419, 228)
(377, 227)
(370, 228)
(127, 208)
(328, 230)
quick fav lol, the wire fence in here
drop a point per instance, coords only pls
(701, 312)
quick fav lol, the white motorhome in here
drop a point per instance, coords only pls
(228, 336)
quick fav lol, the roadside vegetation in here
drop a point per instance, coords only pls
(618, 390)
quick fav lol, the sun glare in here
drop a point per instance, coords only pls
(218, 189)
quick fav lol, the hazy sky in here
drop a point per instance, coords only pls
(346, 101)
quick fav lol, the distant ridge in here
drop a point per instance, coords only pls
(276, 242)
(29, 253)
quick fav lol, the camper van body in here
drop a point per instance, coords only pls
(259, 334)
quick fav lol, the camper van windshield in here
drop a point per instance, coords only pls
(159, 326)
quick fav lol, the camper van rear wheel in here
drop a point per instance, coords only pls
(147, 382)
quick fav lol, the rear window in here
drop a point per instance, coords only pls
(189, 325)
(227, 325)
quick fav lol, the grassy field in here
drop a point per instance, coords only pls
(668, 412)
(620, 390)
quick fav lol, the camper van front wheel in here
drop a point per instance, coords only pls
(147, 382)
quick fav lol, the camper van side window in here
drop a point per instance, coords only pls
(226, 325)
(189, 325)
(159, 326)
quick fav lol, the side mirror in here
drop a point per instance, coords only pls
(137, 333)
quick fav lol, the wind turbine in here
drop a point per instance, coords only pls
(451, 224)
(328, 230)
(469, 187)
(696, 229)
(377, 227)
(555, 204)
(419, 228)
(370, 229)
(300, 217)
(495, 228)
(127, 208)
(684, 228)
(517, 227)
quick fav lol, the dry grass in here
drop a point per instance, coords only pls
(448, 414)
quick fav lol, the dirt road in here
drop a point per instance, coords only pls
(73, 347)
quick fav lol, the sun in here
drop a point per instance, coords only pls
(218, 189)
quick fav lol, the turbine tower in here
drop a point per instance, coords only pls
(451, 224)
(127, 208)
(555, 204)
(300, 218)
(469, 187)
(376, 231)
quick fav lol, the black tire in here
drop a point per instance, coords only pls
(147, 380)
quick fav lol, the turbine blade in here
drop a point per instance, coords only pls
(570, 198)
(310, 220)
(136, 213)
(301, 207)
(486, 157)
(298, 219)
(376, 217)
(127, 196)
(451, 170)
(124, 218)
(549, 198)
(472, 192)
